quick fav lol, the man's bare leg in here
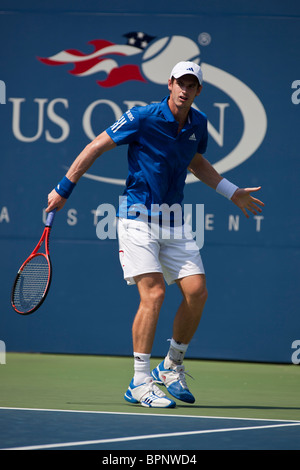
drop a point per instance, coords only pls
(151, 288)
(170, 371)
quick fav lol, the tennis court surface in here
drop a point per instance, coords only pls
(76, 403)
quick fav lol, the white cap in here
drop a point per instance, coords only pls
(184, 68)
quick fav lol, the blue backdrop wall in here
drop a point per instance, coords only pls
(69, 71)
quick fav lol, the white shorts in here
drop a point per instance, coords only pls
(143, 250)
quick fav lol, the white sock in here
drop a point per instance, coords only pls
(141, 368)
(177, 352)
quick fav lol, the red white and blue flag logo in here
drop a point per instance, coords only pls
(107, 57)
(145, 59)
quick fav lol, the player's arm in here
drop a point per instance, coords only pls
(241, 197)
(81, 164)
(204, 171)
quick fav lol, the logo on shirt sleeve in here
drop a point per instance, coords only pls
(116, 126)
(123, 119)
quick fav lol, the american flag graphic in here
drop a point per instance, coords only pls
(106, 57)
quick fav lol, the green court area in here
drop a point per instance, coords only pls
(98, 383)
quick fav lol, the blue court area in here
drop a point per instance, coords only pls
(37, 429)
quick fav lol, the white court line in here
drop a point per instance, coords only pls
(149, 436)
(150, 415)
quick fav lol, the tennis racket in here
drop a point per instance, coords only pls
(33, 280)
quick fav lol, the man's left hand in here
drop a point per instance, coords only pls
(243, 199)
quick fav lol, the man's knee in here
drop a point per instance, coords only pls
(194, 290)
(198, 296)
(151, 288)
(156, 294)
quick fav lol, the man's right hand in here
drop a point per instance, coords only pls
(55, 201)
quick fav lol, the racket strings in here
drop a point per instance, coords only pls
(32, 283)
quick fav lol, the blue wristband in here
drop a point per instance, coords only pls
(65, 187)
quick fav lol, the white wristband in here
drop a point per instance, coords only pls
(226, 188)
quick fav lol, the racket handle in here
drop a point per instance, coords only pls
(50, 218)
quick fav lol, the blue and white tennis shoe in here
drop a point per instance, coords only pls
(173, 377)
(149, 395)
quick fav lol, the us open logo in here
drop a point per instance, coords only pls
(145, 59)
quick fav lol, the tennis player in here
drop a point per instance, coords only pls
(164, 141)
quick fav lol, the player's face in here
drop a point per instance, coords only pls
(184, 90)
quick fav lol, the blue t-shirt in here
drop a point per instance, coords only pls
(158, 157)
